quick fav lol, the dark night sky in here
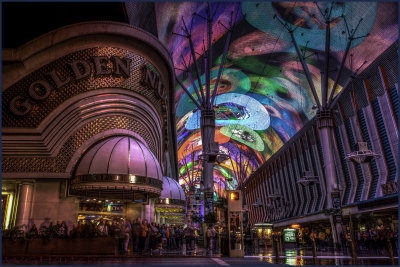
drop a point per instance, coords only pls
(22, 22)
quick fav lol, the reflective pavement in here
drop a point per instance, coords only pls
(202, 257)
(194, 260)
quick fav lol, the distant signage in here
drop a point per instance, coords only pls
(289, 235)
(336, 202)
(115, 208)
(295, 226)
(234, 196)
(208, 194)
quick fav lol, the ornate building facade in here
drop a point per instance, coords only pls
(88, 124)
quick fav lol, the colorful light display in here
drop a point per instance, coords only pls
(235, 109)
(263, 98)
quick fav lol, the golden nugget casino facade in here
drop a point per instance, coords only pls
(88, 126)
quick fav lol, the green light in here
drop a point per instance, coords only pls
(244, 135)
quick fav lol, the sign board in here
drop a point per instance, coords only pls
(234, 200)
(289, 235)
(114, 208)
(295, 226)
(336, 202)
(235, 223)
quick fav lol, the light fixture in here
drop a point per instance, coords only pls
(363, 154)
(132, 179)
(234, 196)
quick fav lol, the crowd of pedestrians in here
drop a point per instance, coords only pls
(376, 240)
(145, 236)
(138, 236)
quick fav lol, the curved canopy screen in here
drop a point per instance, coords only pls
(263, 97)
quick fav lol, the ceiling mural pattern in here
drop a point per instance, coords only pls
(263, 97)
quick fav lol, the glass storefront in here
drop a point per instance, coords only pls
(6, 208)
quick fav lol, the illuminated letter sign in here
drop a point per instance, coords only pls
(154, 82)
(40, 90)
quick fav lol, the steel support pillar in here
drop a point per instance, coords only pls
(189, 208)
(207, 124)
(325, 126)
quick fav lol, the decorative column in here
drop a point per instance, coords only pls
(143, 211)
(158, 217)
(149, 211)
(325, 127)
(24, 203)
(207, 123)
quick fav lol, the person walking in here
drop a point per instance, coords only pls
(127, 229)
(164, 236)
(136, 231)
(143, 234)
(188, 238)
(172, 237)
(210, 235)
(167, 235)
(178, 237)
(103, 228)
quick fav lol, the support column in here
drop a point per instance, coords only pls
(142, 211)
(24, 203)
(158, 217)
(325, 126)
(149, 211)
(207, 123)
(189, 206)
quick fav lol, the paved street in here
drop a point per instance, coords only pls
(198, 261)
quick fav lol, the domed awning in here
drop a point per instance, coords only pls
(172, 194)
(118, 168)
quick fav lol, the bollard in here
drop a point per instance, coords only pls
(314, 251)
(276, 244)
(184, 248)
(353, 251)
(390, 250)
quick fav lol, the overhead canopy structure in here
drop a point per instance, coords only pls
(263, 97)
(118, 168)
(171, 205)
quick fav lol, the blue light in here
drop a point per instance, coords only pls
(260, 16)
(257, 117)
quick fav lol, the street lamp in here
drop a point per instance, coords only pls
(308, 179)
(363, 154)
